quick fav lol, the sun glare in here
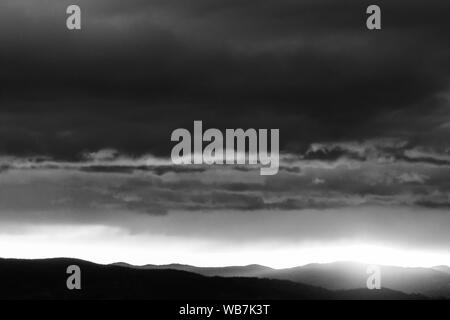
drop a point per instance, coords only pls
(106, 245)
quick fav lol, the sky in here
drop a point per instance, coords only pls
(364, 119)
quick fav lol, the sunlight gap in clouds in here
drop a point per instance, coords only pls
(104, 245)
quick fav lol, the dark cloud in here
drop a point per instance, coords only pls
(159, 170)
(86, 119)
(368, 173)
(136, 71)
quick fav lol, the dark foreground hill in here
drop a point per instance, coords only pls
(46, 279)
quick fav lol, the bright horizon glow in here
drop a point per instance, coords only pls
(106, 245)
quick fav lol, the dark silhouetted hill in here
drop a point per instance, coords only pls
(231, 271)
(46, 279)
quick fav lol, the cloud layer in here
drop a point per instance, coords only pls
(364, 119)
(139, 70)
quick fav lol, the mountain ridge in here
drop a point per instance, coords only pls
(46, 279)
(340, 275)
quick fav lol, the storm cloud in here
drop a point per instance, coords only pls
(136, 72)
(86, 118)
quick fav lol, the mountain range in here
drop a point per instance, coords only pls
(431, 282)
(46, 279)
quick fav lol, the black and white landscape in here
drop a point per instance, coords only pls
(86, 118)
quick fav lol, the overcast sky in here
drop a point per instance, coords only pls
(364, 119)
